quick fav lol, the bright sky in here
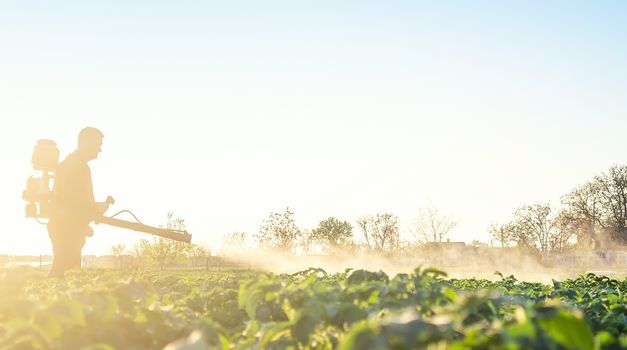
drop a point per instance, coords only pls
(225, 112)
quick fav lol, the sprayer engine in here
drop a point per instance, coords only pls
(38, 192)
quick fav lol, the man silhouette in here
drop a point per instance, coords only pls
(73, 203)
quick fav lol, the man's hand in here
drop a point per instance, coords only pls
(101, 207)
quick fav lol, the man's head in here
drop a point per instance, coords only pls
(90, 142)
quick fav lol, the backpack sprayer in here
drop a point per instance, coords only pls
(38, 194)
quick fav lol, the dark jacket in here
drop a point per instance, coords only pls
(73, 204)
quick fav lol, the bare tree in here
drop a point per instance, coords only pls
(139, 251)
(582, 213)
(117, 251)
(432, 226)
(536, 229)
(136, 254)
(233, 241)
(381, 231)
(306, 242)
(596, 211)
(504, 234)
(199, 254)
(279, 231)
(163, 250)
(613, 192)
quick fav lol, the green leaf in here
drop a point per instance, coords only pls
(304, 327)
(569, 331)
(224, 341)
(521, 330)
(363, 336)
(249, 297)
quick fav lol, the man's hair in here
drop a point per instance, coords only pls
(88, 135)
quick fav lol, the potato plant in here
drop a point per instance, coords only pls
(311, 309)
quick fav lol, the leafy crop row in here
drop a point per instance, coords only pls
(307, 310)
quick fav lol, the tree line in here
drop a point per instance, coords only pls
(592, 216)
(379, 232)
(280, 233)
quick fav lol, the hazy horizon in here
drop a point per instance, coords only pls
(225, 113)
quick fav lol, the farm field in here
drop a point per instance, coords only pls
(311, 309)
